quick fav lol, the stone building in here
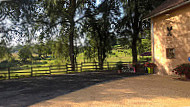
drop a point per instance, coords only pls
(170, 33)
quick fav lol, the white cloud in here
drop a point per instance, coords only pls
(98, 2)
(4, 0)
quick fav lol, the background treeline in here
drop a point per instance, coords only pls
(56, 28)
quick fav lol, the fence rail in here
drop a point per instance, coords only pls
(20, 72)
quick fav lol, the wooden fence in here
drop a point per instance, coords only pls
(21, 72)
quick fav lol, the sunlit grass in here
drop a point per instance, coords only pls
(41, 67)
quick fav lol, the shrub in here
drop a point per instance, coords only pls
(44, 62)
(182, 69)
(37, 58)
(119, 65)
(138, 65)
(5, 64)
(148, 64)
(25, 53)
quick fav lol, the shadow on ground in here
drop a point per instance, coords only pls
(143, 91)
(29, 91)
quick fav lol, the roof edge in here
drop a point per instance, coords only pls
(166, 10)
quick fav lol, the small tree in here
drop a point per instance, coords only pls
(5, 52)
(144, 46)
(25, 53)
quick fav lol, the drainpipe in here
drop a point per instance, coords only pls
(152, 32)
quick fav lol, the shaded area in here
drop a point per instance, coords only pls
(28, 91)
(140, 91)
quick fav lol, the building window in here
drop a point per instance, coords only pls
(170, 53)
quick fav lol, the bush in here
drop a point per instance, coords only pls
(44, 62)
(148, 64)
(5, 64)
(37, 58)
(25, 53)
(119, 65)
(182, 69)
(138, 65)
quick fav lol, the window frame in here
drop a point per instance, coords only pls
(169, 52)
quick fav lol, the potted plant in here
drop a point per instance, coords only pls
(183, 69)
(119, 66)
(150, 67)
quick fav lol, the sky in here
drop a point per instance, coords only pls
(15, 41)
(98, 1)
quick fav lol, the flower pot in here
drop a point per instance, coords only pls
(150, 70)
(187, 75)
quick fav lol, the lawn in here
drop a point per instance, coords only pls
(38, 65)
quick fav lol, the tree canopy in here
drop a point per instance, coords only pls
(58, 25)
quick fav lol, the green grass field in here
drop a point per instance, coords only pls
(38, 66)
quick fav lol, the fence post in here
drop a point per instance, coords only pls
(66, 68)
(50, 69)
(9, 73)
(108, 65)
(31, 72)
(76, 66)
(96, 67)
(81, 67)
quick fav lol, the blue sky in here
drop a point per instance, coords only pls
(98, 1)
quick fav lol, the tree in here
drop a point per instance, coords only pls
(5, 52)
(90, 48)
(31, 16)
(25, 53)
(43, 49)
(38, 49)
(99, 25)
(145, 45)
(131, 25)
(69, 10)
(61, 49)
(22, 15)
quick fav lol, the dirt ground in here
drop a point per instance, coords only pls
(28, 91)
(96, 89)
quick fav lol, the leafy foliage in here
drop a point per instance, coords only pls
(98, 26)
(131, 25)
(61, 49)
(144, 46)
(119, 65)
(43, 49)
(182, 69)
(5, 52)
(25, 53)
(59, 23)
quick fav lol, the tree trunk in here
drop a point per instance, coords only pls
(134, 50)
(71, 46)
(71, 35)
(101, 65)
(136, 32)
(100, 60)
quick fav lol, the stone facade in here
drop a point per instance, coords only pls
(171, 30)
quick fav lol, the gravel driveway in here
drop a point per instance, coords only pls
(28, 91)
(96, 89)
(140, 91)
